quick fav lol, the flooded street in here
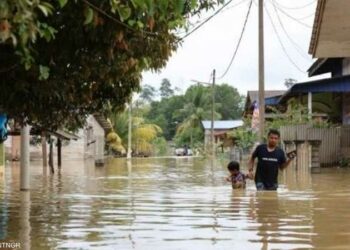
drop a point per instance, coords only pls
(173, 204)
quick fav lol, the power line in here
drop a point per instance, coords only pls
(307, 16)
(116, 20)
(206, 20)
(293, 18)
(281, 43)
(233, 6)
(239, 41)
(296, 45)
(296, 8)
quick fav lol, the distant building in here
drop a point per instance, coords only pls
(91, 142)
(86, 143)
(271, 100)
(221, 128)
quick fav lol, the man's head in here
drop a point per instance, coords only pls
(233, 167)
(273, 137)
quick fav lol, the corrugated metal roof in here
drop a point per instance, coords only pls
(271, 101)
(254, 94)
(105, 123)
(65, 135)
(333, 85)
(228, 124)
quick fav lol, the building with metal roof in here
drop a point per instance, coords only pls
(223, 125)
(221, 130)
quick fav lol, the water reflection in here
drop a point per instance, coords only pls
(24, 221)
(178, 203)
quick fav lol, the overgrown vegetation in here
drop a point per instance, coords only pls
(295, 115)
(176, 118)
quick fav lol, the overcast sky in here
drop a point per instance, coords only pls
(212, 46)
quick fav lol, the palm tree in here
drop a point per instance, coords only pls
(142, 133)
(195, 110)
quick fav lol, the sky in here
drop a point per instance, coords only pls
(212, 46)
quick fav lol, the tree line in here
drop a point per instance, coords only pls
(170, 115)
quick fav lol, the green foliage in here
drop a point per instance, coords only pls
(160, 146)
(114, 144)
(192, 136)
(165, 89)
(147, 93)
(296, 114)
(344, 162)
(244, 137)
(196, 108)
(89, 58)
(120, 125)
(181, 112)
(146, 137)
(231, 102)
(162, 113)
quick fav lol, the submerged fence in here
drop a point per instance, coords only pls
(335, 142)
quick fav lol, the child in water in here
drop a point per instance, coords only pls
(237, 178)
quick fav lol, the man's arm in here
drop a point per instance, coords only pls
(251, 163)
(287, 162)
(252, 159)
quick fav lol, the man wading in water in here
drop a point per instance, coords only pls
(270, 159)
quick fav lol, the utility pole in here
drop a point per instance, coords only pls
(128, 156)
(212, 84)
(261, 72)
(212, 114)
(25, 163)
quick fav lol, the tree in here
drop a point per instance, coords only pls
(148, 93)
(289, 82)
(114, 143)
(195, 110)
(21, 26)
(165, 89)
(230, 102)
(145, 136)
(90, 56)
(162, 113)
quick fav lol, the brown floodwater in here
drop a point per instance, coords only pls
(175, 203)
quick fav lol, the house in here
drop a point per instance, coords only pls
(86, 143)
(271, 101)
(91, 142)
(221, 128)
(330, 44)
(328, 98)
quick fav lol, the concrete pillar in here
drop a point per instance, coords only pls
(309, 104)
(44, 149)
(15, 148)
(315, 157)
(24, 185)
(51, 156)
(59, 152)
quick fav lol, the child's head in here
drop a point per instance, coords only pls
(233, 167)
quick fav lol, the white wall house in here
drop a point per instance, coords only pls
(86, 143)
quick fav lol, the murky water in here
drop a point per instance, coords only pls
(173, 204)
